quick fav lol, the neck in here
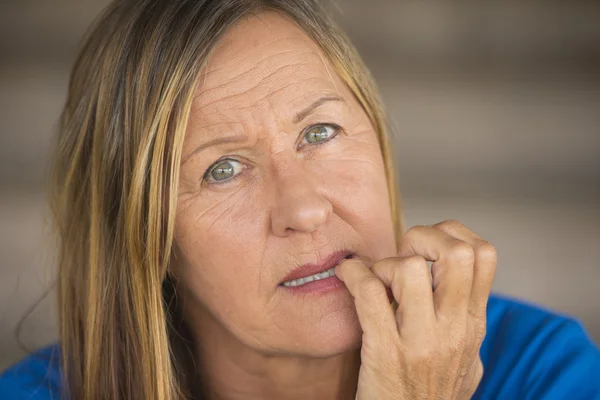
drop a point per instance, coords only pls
(230, 370)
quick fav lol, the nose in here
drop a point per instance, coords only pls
(298, 203)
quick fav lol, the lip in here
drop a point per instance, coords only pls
(314, 268)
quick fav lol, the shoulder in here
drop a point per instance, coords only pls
(531, 352)
(37, 376)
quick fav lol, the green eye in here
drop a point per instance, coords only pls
(222, 171)
(320, 133)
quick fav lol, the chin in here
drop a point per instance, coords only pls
(332, 336)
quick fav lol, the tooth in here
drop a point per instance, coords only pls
(301, 281)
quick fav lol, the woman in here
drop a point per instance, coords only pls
(231, 229)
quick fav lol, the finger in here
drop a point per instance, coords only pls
(486, 260)
(372, 305)
(452, 268)
(410, 281)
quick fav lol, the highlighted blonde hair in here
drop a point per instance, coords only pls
(114, 188)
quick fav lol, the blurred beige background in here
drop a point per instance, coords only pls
(497, 107)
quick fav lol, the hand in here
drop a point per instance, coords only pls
(429, 347)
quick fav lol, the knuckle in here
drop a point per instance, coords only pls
(411, 236)
(415, 262)
(487, 252)
(473, 371)
(414, 229)
(462, 253)
(450, 225)
(416, 267)
(385, 263)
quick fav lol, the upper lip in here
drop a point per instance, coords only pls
(309, 269)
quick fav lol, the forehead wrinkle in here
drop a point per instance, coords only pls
(324, 90)
(274, 114)
(234, 61)
(256, 86)
(259, 63)
(266, 61)
(239, 109)
(205, 92)
(203, 118)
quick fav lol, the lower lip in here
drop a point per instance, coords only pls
(317, 287)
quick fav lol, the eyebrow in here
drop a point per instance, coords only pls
(216, 141)
(308, 110)
(242, 138)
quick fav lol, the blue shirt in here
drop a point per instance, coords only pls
(528, 353)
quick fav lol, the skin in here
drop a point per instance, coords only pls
(429, 347)
(290, 201)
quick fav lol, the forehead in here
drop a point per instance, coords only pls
(265, 59)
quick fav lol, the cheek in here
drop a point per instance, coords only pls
(219, 246)
(357, 185)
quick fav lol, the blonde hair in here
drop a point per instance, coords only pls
(114, 187)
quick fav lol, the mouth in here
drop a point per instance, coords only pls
(313, 272)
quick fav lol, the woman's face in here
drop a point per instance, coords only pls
(294, 174)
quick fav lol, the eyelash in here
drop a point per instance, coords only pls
(336, 129)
